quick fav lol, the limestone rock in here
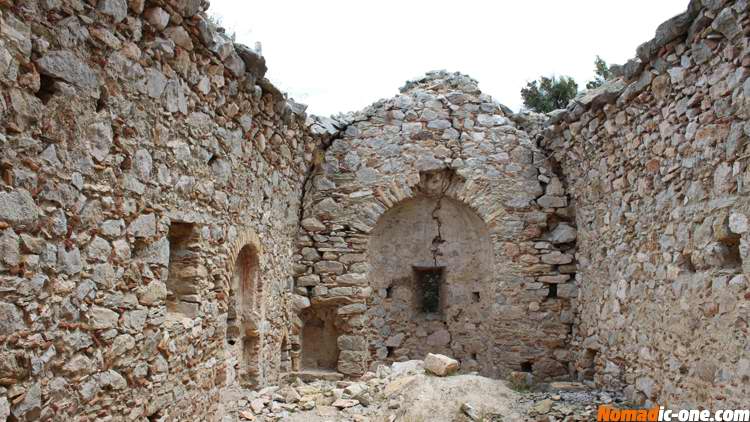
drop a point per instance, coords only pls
(563, 233)
(18, 207)
(313, 225)
(254, 62)
(102, 318)
(186, 8)
(157, 17)
(118, 9)
(4, 408)
(11, 319)
(65, 65)
(440, 365)
(738, 223)
(345, 403)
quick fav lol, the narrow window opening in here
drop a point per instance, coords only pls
(391, 351)
(183, 281)
(475, 297)
(474, 356)
(429, 283)
(552, 292)
(389, 292)
(526, 366)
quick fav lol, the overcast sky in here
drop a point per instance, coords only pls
(341, 55)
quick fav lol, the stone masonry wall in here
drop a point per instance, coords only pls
(141, 151)
(438, 177)
(656, 161)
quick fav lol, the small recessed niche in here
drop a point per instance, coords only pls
(552, 292)
(389, 292)
(391, 351)
(732, 258)
(474, 356)
(476, 297)
(429, 283)
(526, 366)
(183, 259)
(47, 88)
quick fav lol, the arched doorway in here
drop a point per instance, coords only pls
(243, 316)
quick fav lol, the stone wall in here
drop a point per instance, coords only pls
(142, 150)
(438, 179)
(656, 161)
(172, 227)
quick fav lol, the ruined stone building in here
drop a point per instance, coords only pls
(171, 225)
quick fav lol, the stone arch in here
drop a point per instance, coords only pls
(430, 248)
(245, 310)
(446, 182)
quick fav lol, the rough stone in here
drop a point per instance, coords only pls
(118, 9)
(18, 207)
(440, 365)
(65, 65)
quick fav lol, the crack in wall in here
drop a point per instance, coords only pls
(438, 240)
(306, 183)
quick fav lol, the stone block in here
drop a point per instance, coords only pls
(440, 365)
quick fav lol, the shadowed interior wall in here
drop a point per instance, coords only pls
(319, 339)
(411, 238)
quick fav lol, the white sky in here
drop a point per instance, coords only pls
(339, 55)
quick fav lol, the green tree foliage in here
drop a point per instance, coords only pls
(603, 74)
(549, 93)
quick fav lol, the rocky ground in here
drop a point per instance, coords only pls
(406, 392)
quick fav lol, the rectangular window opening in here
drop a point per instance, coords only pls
(552, 292)
(181, 282)
(429, 284)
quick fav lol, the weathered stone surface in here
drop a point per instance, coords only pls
(18, 207)
(102, 318)
(137, 165)
(254, 62)
(11, 319)
(180, 36)
(313, 225)
(157, 17)
(186, 8)
(440, 365)
(65, 65)
(563, 233)
(143, 226)
(117, 9)
(642, 242)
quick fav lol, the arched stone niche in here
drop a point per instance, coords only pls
(431, 261)
(244, 334)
